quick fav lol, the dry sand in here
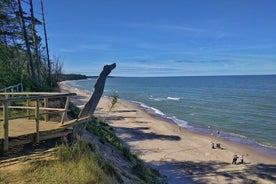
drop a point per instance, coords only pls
(181, 155)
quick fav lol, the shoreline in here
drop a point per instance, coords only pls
(174, 150)
(262, 149)
(266, 150)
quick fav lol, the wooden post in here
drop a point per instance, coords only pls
(46, 116)
(6, 125)
(21, 87)
(65, 109)
(28, 105)
(37, 120)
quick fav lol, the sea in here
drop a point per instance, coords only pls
(242, 108)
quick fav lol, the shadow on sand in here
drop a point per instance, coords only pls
(124, 111)
(138, 134)
(198, 172)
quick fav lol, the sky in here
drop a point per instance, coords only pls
(163, 37)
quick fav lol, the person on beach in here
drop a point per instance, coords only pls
(211, 131)
(242, 161)
(218, 133)
(235, 158)
(219, 146)
(213, 145)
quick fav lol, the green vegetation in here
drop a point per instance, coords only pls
(114, 99)
(73, 111)
(25, 59)
(106, 134)
(73, 77)
(24, 55)
(84, 162)
(76, 164)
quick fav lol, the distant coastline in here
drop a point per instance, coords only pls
(74, 76)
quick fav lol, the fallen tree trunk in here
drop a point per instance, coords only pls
(91, 105)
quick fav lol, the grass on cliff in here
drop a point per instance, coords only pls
(75, 164)
(66, 164)
(106, 133)
(80, 163)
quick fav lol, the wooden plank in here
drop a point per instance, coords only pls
(33, 108)
(28, 105)
(29, 116)
(76, 121)
(37, 93)
(34, 97)
(46, 116)
(55, 135)
(37, 120)
(29, 138)
(65, 109)
(24, 126)
(21, 140)
(6, 126)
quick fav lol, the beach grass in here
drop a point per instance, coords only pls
(106, 133)
(65, 164)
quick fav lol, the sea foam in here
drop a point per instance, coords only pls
(173, 98)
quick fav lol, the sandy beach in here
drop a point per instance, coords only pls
(181, 155)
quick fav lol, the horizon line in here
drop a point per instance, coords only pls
(118, 76)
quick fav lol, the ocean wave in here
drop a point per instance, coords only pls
(163, 99)
(158, 113)
(152, 110)
(173, 98)
(180, 122)
(156, 99)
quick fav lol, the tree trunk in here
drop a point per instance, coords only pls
(47, 49)
(91, 105)
(23, 27)
(35, 45)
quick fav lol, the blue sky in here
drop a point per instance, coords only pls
(163, 37)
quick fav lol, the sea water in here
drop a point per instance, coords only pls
(243, 108)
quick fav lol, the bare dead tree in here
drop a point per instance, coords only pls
(91, 105)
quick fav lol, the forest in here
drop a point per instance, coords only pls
(24, 52)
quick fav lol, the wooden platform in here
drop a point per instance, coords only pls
(20, 127)
(35, 107)
(23, 131)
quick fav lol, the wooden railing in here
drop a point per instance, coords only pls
(15, 88)
(37, 102)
